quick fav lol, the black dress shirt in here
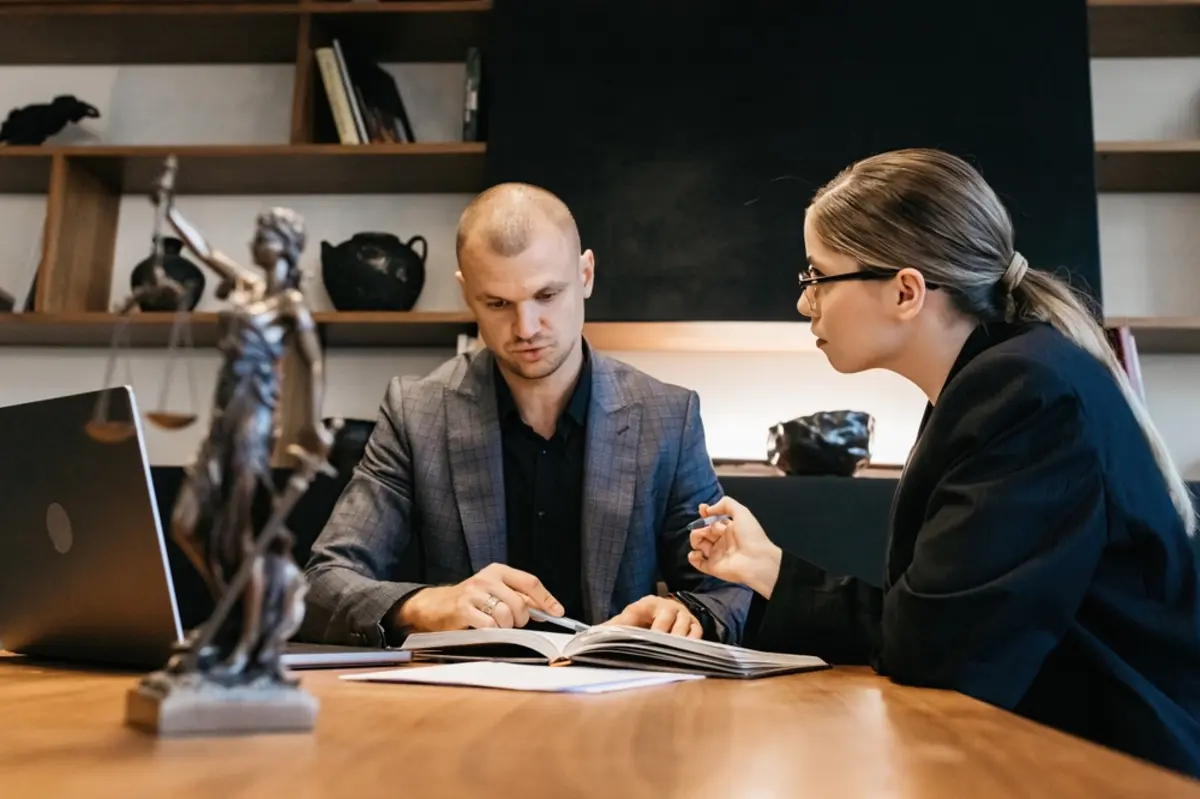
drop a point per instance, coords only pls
(543, 492)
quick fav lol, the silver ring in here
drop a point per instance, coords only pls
(490, 605)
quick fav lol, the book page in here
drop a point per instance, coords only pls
(514, 677)
(548, 645)
(608, 643)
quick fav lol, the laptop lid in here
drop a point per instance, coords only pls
(84, 569)
(83, 565)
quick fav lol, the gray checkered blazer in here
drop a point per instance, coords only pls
(425, 506)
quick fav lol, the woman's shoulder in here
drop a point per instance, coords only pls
(1036, 358)
(1035, 373)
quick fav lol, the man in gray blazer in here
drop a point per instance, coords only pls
(533, 473)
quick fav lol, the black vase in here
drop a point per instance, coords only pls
(829, 442)
(374, 272)
(178, 268)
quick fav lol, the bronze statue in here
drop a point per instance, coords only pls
(268, 399)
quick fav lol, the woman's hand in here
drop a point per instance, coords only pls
(736, 550)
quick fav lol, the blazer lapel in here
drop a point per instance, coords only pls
(913, 491)
(477, 461)
(609, 485)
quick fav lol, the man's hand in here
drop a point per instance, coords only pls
(662, 614)
(495, 596)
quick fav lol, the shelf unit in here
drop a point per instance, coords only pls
(1149, 29)
(84, 184)
(337, 329)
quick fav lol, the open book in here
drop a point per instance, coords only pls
(614, 646)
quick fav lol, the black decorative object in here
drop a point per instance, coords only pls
(829, 442)
(33, 124)
(6, 301)
(178, 268)
(374, 272)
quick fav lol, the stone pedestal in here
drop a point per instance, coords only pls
(190, 704)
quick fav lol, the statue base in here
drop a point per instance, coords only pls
(193, 704)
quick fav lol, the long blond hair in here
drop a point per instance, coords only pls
(932, 211)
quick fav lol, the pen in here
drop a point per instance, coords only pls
(708, 521)
(570, 624)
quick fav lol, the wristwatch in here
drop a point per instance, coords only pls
(712, 627)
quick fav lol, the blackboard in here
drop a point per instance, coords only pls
(687, 136)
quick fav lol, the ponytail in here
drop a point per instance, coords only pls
(1038, 296)
(932, 211)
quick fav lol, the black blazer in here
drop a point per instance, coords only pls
(1035, 559)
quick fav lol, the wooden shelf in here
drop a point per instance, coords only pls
(1148, 166)
(264, 169)
(1162, 335)
(229, 33)
(432, 31)
(1144, 28)
(338, 329)
(124, 33)
(701, 336)
(24, 170)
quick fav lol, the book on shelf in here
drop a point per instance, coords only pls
(363, 98)
(607, 646)
(473, 121)
(1125, 347)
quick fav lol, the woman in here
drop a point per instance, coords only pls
(1040, 555)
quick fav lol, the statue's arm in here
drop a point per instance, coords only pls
(217, 261)
(308, 347)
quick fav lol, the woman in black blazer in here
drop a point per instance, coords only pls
(1040, 554)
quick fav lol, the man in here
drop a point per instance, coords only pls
(533, 473)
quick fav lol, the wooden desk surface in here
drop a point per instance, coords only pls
(834, 734)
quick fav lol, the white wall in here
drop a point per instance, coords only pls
(1149, 245)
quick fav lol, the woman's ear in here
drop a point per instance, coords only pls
(909, 293)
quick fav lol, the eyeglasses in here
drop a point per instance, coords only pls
(810, 280)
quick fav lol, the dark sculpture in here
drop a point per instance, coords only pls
(178, 268)
(33, 124)
(829, 442)
(230, 668)
(374, 272)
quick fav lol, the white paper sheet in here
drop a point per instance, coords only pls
(522, 677)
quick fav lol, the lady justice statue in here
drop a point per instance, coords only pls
(228, 674)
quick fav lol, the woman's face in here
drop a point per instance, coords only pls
(853, 320)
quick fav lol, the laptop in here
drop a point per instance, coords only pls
(84, 574)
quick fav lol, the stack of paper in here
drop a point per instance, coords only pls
(518, 677)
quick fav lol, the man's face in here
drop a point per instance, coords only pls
(529, 307)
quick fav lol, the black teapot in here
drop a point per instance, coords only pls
(829, 442)
(374, 272)
(178, 268)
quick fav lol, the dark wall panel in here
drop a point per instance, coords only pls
(689, 135)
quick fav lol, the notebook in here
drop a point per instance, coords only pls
(520, 677)
(609, 646)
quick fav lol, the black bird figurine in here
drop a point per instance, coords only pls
(35, 123)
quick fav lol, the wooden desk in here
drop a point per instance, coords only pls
(834, 734)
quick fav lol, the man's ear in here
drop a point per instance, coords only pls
(462, 286)
(587, 271)
(910, 293)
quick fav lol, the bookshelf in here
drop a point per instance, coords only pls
(1149, 29)
(84, 184)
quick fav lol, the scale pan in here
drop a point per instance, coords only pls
(169, 420)
(110, 432)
